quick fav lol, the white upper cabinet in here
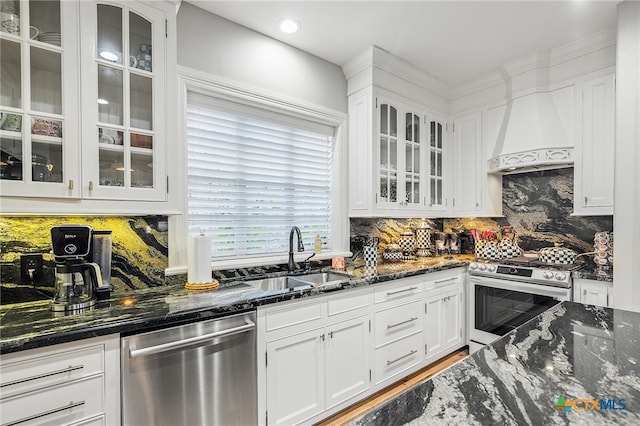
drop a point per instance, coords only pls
(39, 95)
(400, 157)
(595, 151)
(404, 172)
(83, 102)
(438, 154)
(467, 170)
(123, 80)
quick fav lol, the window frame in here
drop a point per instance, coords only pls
(190, 80)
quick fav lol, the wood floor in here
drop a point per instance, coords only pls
(387, 393)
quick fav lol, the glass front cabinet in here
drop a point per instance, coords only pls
(123, 50)
(39, 99)
(400, 155)
(82, 88)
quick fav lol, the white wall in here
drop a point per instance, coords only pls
(214, 45)
(626, 226)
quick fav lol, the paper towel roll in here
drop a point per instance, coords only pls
(199, 260)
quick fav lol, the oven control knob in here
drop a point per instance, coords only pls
(482, 267)
(547, 274)
(560, 275)
(491, 268)
(473, 266)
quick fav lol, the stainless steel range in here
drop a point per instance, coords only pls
(504, 295)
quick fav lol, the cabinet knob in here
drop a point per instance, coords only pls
(477, 204)
(331, 334)
(322, 337)
(90, 185)
(70, 184)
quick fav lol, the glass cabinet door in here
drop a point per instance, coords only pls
(126, 48)
(388, 154)
(412, 158)
(436, 163)
(38, 146)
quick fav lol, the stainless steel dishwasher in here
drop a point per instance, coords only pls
(201, 373)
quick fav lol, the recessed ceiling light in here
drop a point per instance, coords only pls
(288, 25)
(103, 101)
(109, 56)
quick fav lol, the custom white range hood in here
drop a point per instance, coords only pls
(533, 135)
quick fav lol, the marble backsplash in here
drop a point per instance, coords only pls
(139, 253)
(538, 205)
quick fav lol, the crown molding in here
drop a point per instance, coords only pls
(536, 60)
(375, 57)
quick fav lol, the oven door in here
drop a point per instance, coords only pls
(497, 306)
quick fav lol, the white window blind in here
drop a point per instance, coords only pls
(252, 175)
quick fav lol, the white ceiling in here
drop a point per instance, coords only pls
(454, 41)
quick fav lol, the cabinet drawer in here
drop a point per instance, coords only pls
(399, 293)
(50, 369)
(397, 357)
(344, 308)
(442, 280)
(65, 404)
(293, 315)
(398, 322)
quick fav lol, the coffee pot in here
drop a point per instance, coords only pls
(76, 278)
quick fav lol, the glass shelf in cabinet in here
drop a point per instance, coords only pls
(50, 140)
(10, 134)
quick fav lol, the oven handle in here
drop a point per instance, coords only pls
(542, 290)
(133, 352)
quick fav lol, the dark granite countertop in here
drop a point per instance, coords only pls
(571, 354)
(31, 325)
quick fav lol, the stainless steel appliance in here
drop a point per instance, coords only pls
(202, 373)
(503, 296)
(76, 279)
(101, 254)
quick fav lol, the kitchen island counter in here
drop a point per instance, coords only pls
(32, 325)
(570, 354)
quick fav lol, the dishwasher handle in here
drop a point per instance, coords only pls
(133, 352)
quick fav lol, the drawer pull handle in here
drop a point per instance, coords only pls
(390, 293)
(402, 357)
(42, 376)
(402, 323)
(45, 413)
(446, 280)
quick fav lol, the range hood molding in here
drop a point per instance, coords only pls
(532, 135)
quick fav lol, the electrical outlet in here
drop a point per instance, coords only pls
(31, 262)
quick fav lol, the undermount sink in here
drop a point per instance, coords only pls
(276, 283)
(324, 280)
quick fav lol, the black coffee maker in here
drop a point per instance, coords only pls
(76, 279)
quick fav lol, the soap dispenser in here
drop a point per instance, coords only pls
(317, 246)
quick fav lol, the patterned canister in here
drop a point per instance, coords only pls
(407, 241)
(393, 253)
(423, 239)
(488, 250)
(370, 256)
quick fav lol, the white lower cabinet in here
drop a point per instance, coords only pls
(347, 360)
(317, 356)
(324, 353)
(444, 316)
(593, 292)
(295, 377)
(68, 384)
